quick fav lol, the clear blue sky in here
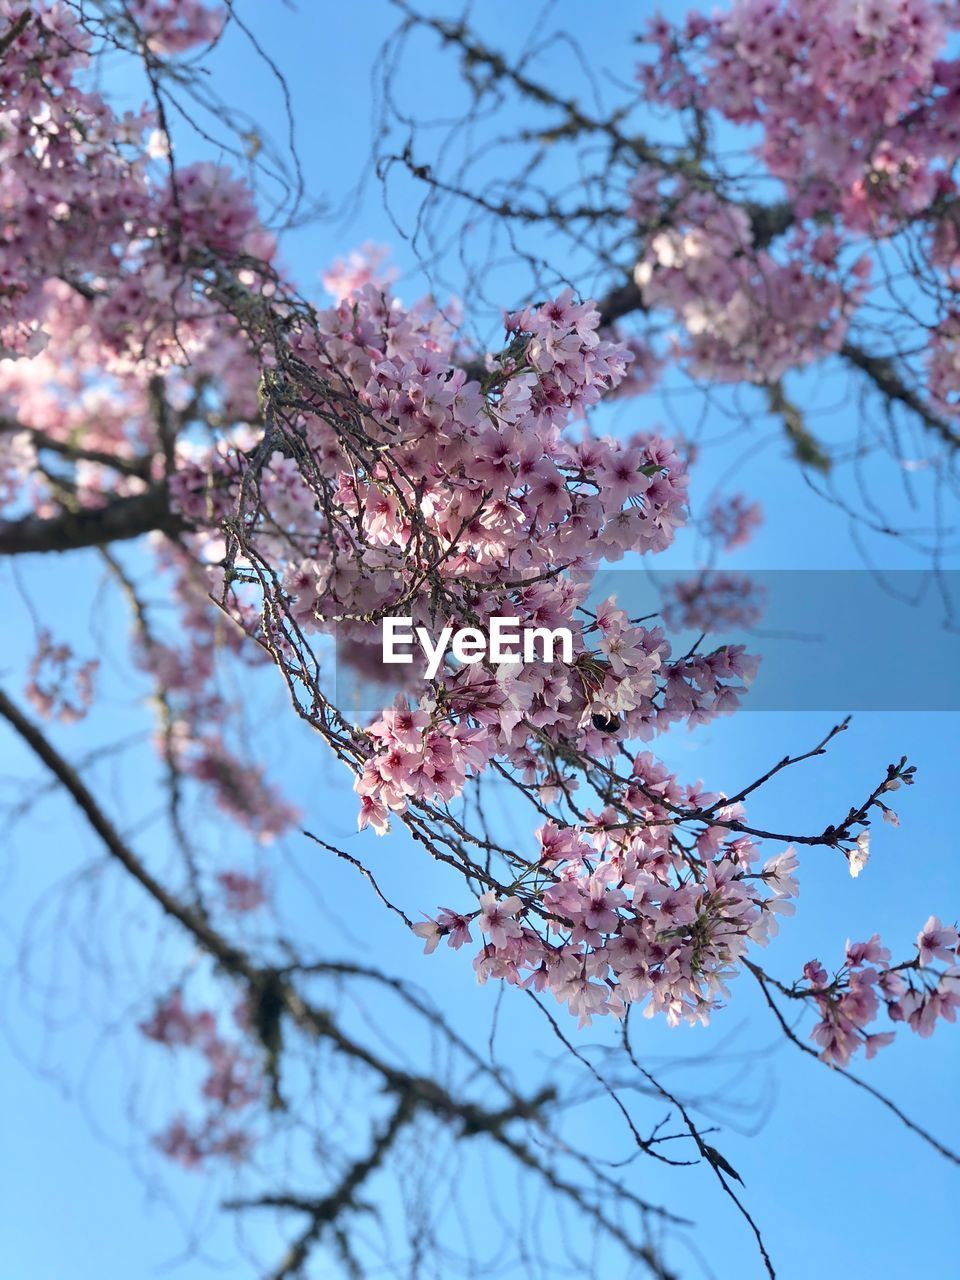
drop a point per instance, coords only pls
(837, 1188)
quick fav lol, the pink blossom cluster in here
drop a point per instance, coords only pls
(378, 470)
(93, 230)
(712, 601)
(58, 685)
(630, 911)
(173, 26)
(502, 490)
(418, 756)
(192, 1146)
(505, 480)
(231, 1084)
(365, 265)
(833, 87)
(192, 742)
(623, 684)
(644, 370)
(858, 109)
(747, 314)
(239, 787)
(208, 208)
(916, 992)
(242, 893)
(198, 718)
(59, 170)
(731, 522)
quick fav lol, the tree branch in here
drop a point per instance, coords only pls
(881, 372)
(419, 1093)
(119, 520)
(137, 466)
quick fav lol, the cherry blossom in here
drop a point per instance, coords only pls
(867, 984)
(305, 471)
(855, 107)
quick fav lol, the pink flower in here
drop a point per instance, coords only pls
(778, 873)
(431, 933)
(870, 952)
(937, 942)
(859, 855)
(456, 927)
(876, 1041)
(497, 918)
(241, 892)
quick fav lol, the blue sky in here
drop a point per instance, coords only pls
(837, 1187)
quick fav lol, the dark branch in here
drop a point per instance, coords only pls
(119, 520)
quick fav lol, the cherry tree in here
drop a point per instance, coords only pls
(289, 475)
(774, 196)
